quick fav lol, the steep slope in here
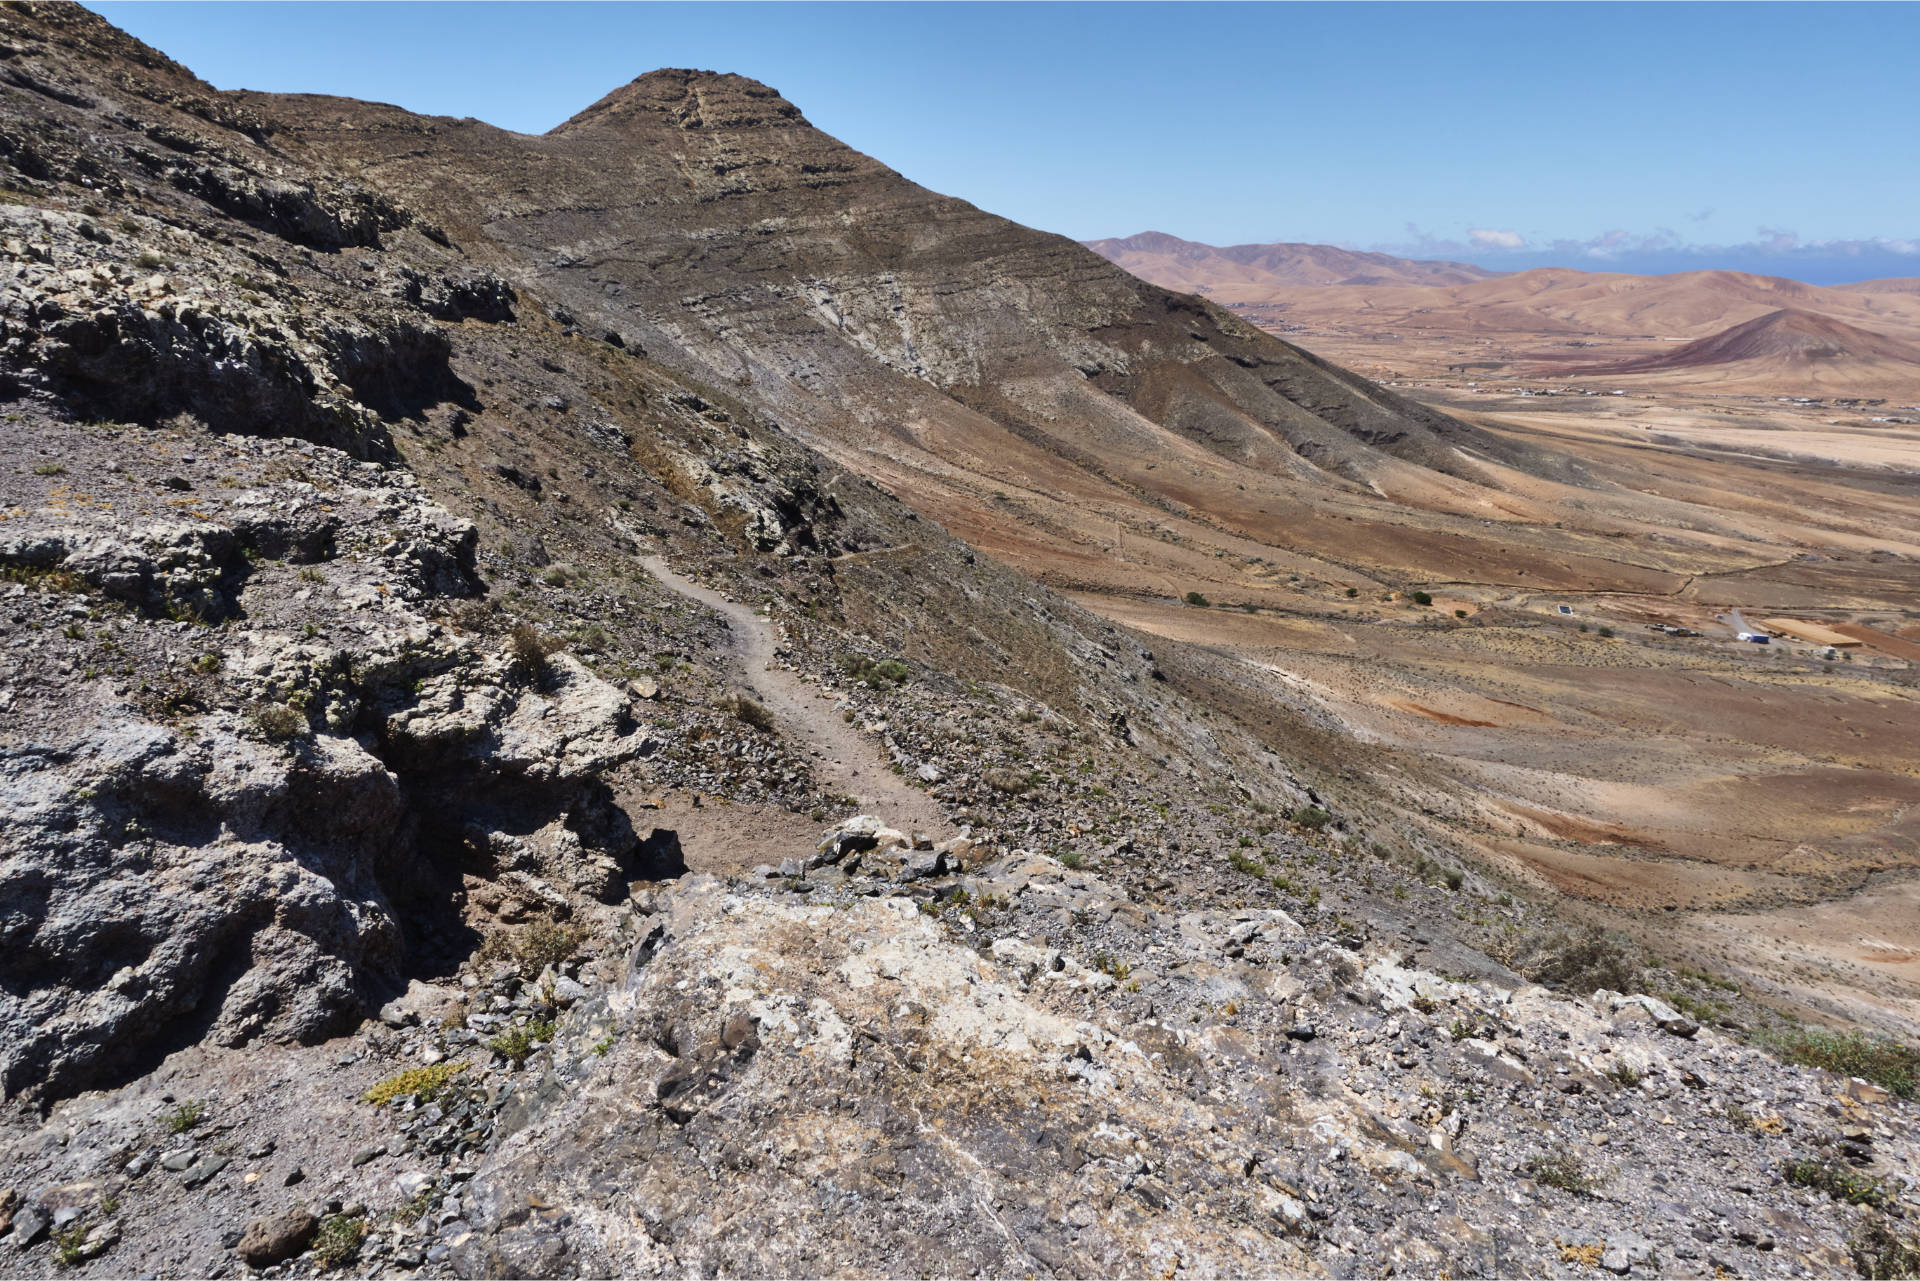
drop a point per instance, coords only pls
(399, 874)
(1246, 273)
(963, 362)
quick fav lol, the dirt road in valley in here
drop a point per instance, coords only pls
(844, 757)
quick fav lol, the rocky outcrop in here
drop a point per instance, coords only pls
(955, 1078)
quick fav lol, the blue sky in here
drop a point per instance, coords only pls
(1777, 137)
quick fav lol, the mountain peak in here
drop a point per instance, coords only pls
(687, 99)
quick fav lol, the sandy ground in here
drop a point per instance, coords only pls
(1758, 805)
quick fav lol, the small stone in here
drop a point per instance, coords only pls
(262, 1151)
(295, 1175)
(275, 1238)
(177, 1161)
(30, 1223)
(1615, 1260)
(365, 1155)
(412, 1183)
(203, 1171)
(930, 773)
(738, 1028)
(1301, 1032)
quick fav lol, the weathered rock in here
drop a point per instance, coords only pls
(275, 1238)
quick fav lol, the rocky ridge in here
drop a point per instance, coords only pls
(345, 921)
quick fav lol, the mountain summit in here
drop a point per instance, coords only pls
(688, 100)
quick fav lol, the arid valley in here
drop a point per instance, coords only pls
(598, 683)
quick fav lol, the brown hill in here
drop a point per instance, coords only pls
(1789, 345)
(1242, 273)
(1890, 285)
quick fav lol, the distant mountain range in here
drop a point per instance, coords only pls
(1239, 273)
(1732, 330)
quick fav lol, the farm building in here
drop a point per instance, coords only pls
(1812, 633)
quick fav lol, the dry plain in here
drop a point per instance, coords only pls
(1755, 806)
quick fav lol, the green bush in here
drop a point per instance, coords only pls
(1564, 1171)
(876, 674)
(1422, 598)
(425, 1083)
(1887, 1063)
(516, 1044)
(532, 947)
(1352, 592)
(338, 1241)
(1195, 598)
(1311, 817)
(183, 1118)
(1837, 1181)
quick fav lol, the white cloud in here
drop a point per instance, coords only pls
(1489, 239)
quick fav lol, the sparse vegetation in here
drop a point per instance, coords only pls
(533, 947)
(531, 648)
(1824, 1174)
(337, 1242)
(1562, 1170)
(424, 1083)
(180, 1119)
(49, 469)
(1195, 598)
(1014, 782)
(1311, 817)
(883, 673)
(278, 722)
(1889, 1064)
(516, 1045)
(1881, 1254)
(750, 711)
(1580, 961)
(68, 1243)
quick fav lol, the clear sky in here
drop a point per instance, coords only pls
(1780, 137)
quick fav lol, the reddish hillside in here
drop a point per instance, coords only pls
(1245, 273)
(1787, 343)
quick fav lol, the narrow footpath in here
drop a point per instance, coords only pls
(843, 758)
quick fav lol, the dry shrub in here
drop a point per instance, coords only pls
(750, 710)
(531, 648)
(1579, 961)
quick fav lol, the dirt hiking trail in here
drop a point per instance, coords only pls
(843, 757)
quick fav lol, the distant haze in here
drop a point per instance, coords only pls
(1814, 264)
